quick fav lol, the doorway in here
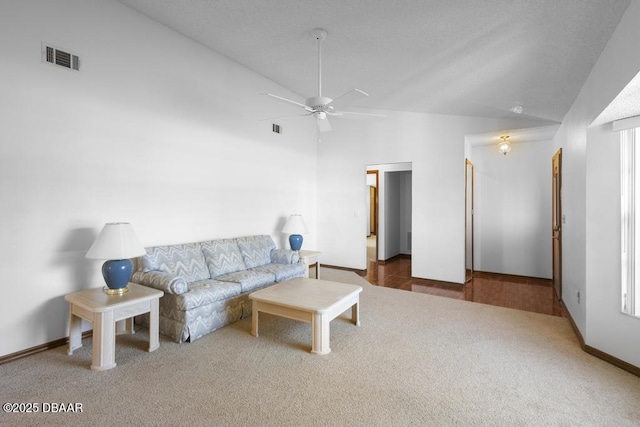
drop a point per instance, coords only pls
(556, 221)
(389, 211)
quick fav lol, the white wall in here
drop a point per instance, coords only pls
(513, 209)
(590, 192)
(154, 129)
(435, 146)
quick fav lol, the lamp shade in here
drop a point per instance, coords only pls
(295, 225)
(116, 241)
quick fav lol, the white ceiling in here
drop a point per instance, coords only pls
(626, 104)
(463, 57)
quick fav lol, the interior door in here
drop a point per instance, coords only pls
(556, 221)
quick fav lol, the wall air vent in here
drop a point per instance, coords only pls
(276, 128)
(60, 57)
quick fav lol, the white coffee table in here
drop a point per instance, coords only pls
(104, 311)
(308, 300)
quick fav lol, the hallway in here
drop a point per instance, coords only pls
(521, 293)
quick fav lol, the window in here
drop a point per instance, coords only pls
(630, 211)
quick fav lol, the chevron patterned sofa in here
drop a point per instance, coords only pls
(206, 284)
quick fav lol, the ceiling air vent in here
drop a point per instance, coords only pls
(60, 57)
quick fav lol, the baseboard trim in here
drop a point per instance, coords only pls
(574, 327)
(515, 276)
(613, 360)
(598, 353)
(40, 348)
(441, 283)
(394, 258)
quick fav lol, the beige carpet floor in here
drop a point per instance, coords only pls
(416, 359)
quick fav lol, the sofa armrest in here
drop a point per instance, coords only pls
(166, 282)
(284, 256)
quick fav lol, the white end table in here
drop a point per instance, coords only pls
(95, 306)
(309, 258)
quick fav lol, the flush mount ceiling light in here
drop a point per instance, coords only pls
(504, 146)
(517, 108)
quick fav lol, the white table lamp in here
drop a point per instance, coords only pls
(116, 243)
(295, 227)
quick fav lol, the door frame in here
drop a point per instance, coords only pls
(375, 208)
(556, 222)
(468, 165)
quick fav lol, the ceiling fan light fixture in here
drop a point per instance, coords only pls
(321, 115)
(504, 146)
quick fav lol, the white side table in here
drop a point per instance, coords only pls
(309, 258)
(95, 306)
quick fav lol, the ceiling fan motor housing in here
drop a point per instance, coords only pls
(318, 103)
(319, 33)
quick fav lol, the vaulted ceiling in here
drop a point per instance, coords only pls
(487, 58)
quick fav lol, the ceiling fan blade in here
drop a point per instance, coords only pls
(288, 116)
(290, 101)
(354, 114)
(323, 124)
(348, 98)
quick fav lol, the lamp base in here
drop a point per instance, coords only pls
(116, 275)
(110, 291)
(295, 241)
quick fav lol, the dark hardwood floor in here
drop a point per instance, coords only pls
(521, 293)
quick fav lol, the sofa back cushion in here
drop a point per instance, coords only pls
(222, 257)
(256, 250)
(184, 260)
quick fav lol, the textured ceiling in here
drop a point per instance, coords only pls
(626, 104)
(464, 57)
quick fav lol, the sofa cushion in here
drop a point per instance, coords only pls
(222, 257)
(204, 292)
(284, 256)
(184, 260)
(166, 282)
(283, 271)
(248, 279)
(256, 250)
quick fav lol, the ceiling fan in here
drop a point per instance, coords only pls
(321, 107)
